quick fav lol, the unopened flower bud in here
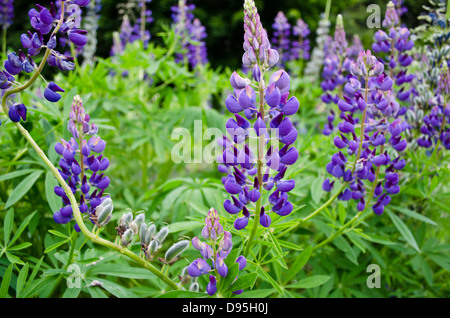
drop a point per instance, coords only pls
(175, 250)
(161, 235)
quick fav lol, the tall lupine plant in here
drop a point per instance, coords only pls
(266, 110)
(191, 34)
(281, 37)
(6, 19)
(78, 154)
(379, 132)
(301, 46)
(336, 72)
(396, 43)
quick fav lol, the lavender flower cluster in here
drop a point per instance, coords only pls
(82, 155)
(216, 251)
(378, 129)
(247, 176)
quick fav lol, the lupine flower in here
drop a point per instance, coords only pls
(396, 43)
(130, 33)
(300, 46)
(436, 125)
(6, 13)
(191, 33)
(336, 72)
(281, 37)
(249, 175)
(214, 253)
(314, 65)
(368, 151)
(90, 23)
(82, 166)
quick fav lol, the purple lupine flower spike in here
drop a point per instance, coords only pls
(281, 37)
(301, 46)
(86, 172)
(214, 253)
(379, 129)
(252, 169)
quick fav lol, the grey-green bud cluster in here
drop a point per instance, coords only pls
(103, 213)
(128, 227)
(152, 242)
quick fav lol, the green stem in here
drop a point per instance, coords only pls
(261, 143)
(72, 249)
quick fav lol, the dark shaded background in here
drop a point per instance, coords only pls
(223, 21)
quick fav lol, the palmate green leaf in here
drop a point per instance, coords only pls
(225, 282)
(22, 188)
(310, 282)
(19, 247)
(404, 230)
(13, 258)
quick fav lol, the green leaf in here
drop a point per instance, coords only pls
(21, 279)
(8, 225)
(56, 245)
(316, 190)
(413, 214)
(56, 233)
(184, 226)
(19, 247)
(16, 174)
(269, 279)
(258, 293)
(53, 200)
(22, 188)
(225, 282)
(14, 259)
(22, 227)
(404, 230)
(182, 294)
(278, 249)
(243, 282)
(5, 282)
(310, 282)
(299, 263)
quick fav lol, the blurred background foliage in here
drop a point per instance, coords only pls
(223, 21)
